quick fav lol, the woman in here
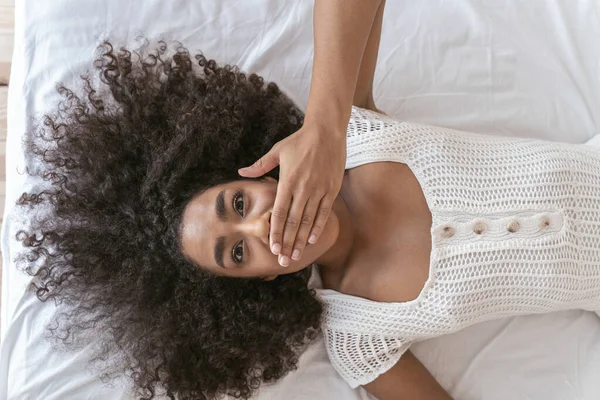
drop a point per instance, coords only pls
(161, 252)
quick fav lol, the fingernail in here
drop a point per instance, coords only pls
(276, 248)
(284, 261)
(296, 254)
(312, 239)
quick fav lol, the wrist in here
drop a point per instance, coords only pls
(326, 116)
(326, 123)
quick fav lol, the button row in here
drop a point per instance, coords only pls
(480, 227)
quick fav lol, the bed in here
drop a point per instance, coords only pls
(499, 67)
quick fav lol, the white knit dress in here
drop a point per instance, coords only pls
(515, 230)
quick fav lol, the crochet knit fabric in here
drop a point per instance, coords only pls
(515, 230)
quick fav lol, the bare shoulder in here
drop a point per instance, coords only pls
(382, 282)
(383, 290)
(378, 276)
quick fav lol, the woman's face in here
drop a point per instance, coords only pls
(226, 230)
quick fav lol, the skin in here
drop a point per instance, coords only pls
(342, 30)
(249, 224)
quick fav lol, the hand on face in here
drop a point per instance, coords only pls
(312, 163)
(226, 230)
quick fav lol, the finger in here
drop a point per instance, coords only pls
(283, 198)
(262, 165)
(292, 224)
(322, 217)
(306, 224)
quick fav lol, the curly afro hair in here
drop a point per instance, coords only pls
(117, 165)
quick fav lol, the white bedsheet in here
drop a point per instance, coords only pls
(511, 67)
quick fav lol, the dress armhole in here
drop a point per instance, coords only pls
(363, 121)
(373, 137)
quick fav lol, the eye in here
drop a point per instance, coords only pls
(237, 253)
(238, 202)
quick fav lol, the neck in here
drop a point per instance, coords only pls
(333, 262)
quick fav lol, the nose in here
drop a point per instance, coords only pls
(259, 227)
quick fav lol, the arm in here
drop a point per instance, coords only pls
(341, 31)
(408, 379)
(304, 199)
(363, 93)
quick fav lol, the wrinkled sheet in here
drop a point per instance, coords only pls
(501, 67)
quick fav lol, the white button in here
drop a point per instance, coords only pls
(479, 227)
(447, 232)
(513, 226)
(544, 222)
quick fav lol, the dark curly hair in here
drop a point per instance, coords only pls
(118, 164)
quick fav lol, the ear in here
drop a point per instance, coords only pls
(269, 179)
(270, 278)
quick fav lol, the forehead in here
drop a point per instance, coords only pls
(199, 223)
(198, 211)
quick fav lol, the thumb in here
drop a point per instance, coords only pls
(261, 166)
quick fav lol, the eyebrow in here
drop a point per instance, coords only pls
(220, 243)
(219, 250)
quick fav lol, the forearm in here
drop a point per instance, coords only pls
(363, 93)
(408, 379)
(341, 31)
